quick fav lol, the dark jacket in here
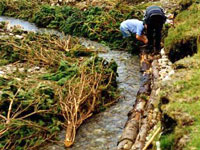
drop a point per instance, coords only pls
(152, 13)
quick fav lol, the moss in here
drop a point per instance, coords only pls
(144, 97)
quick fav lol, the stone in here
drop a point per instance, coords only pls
(164, 56)
(37, 68)
(169, 63)
(165, 59)
(166, 78)
(162, 52)
(171, 72)
(21, 69)
(2, 73)
(158, 145)
(19, 36)
(18, 79)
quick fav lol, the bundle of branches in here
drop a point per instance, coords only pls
(94, 23)
(84, 96)
(22, 9)
(30, 114)
(35, 106)
(40, 49)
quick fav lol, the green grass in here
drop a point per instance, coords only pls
(184, 104)
(167, 142)
(181, 40)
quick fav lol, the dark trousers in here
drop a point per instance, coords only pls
(154, 36)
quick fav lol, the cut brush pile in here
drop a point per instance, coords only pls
(46, 84)
(96, 23)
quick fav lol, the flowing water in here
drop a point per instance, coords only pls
(101, 131)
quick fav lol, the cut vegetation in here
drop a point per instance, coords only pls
(96, 23)
(47, 84)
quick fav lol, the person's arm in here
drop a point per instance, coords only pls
(142, 38)
(139, 35)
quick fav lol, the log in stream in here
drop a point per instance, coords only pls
(144, 115)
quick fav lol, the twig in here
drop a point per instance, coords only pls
(1, 116)
(35, 112)
(10, 106)
(152, 138)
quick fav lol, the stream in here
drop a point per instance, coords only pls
(101, 131)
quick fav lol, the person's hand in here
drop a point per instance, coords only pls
(145, 26)
(145, 40)
(142, 38)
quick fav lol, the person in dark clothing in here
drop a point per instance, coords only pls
(153, 20)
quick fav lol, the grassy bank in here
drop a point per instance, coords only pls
(47, 84)
(182, 38)
(181, 94)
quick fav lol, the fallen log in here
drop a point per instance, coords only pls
(129, 134)
(135, 116)
(150, 115)
(144, 115)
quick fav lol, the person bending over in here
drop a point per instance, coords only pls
(153, 20)
(133, 26)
